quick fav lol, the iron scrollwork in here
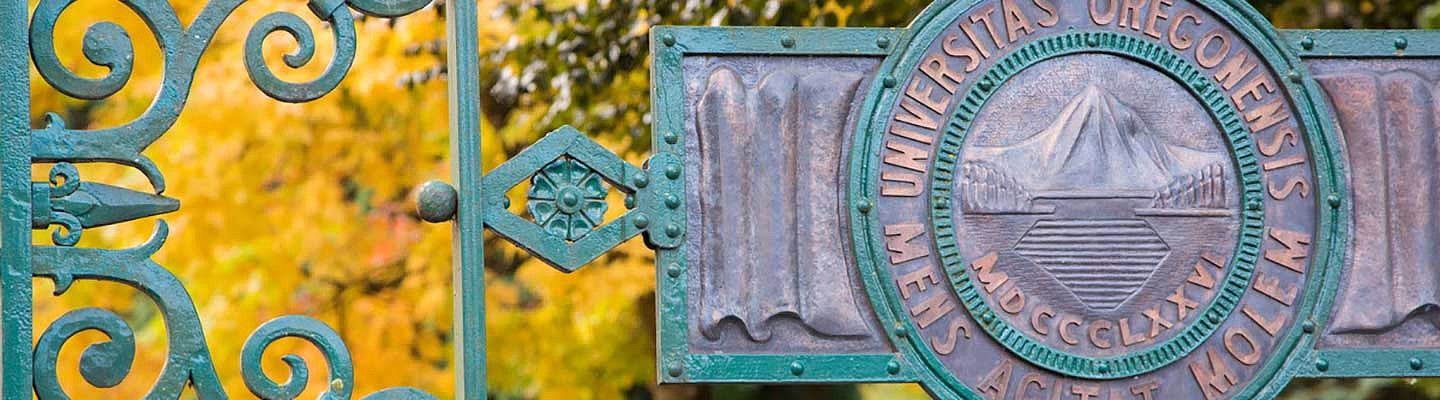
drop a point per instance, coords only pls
(68, 202)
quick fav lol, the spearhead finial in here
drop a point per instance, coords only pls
(76, 205)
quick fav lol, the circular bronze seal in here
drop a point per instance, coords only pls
(1101, 199)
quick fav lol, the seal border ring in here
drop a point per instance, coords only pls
(1237, 135)
(1294, 351)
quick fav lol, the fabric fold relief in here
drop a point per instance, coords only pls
(770, 182)
(1394, 154)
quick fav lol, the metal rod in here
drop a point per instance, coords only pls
(15, 285)
(461, 28)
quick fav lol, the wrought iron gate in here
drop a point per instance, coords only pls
(70, 205)
(880, 76)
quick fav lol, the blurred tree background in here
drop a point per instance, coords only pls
(305, 209)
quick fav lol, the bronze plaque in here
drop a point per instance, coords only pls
(1092, 200)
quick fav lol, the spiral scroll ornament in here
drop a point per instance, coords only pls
(73, 205)
(108, 45)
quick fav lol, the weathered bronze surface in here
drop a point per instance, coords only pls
(1095, 200)
(1099, 215)
(771, 268)
(1390, 288)
(1018, 199)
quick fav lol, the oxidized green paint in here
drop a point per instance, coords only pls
(1314, 116)
(567, 198)
(676, 363)
(658, 191)
(561, 251)
(15, 287)
(1349, 363)
(468, 262)
(1319, 43)
(75, 205)
(69, 202)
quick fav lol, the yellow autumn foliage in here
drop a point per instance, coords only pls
(306, 209)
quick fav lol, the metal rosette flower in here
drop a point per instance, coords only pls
(567, 199)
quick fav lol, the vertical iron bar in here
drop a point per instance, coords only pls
(15, 323)
(461, 32)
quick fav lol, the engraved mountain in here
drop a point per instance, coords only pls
(1098, 190)
(1095, 145)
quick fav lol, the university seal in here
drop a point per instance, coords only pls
(1102, 199)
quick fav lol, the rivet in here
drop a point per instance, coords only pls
(337, 385)
(641, 221)
(1416, 363)
(672, 171)
(797, 368)
(675, 370)
(1214, 318)
(505, 202)
(1308, 326)
(1253, 204)
(864, 206)
(1308, 43)
(986, 84)
(787, 41)
(640, 180)
(672, 201)
(672, 230)
(629, 202)
(893, 367)
(889, 82)
(902, 331)
(1401, 43)
(1334, 201)
(667, 38)
(1322, 365)
(1295, 76)
(568, 199)
(1092, 40)
(1103, 368)
(674, 271)
(670, 137)
(883, 42)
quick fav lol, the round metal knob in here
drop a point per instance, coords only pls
(436, 202)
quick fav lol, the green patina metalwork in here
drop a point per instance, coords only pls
(663, 201)
(1307, 96)
(103, 364)
(920, 365)
(468, 262)
(437, 202)
(567, 198)
(16, 325)
(676, 363)
(772, 41)
(659, 212)
(1298, 344)
(74, 205)
(1237, 135)
(565, 248)
(1359, 43)
(1349, 363)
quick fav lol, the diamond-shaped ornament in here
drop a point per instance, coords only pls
(570, 177)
